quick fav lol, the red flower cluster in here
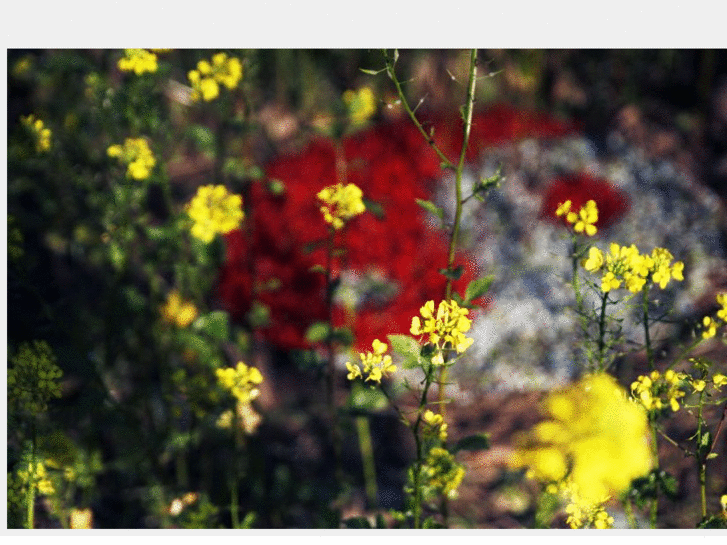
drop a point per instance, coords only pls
(579, 188)
(271, 259)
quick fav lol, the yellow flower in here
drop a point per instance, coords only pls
(563, 208)
(722, 300)
(594, 261)
(710, 328)
(376, 364)
(653, 391)
(138, 61)
(698, 385)
(361, 104)
(214, 211)
(241, 381)
(137, 155)
(40, 132)
(719, 380)
(594, 431)
(609, 282)
(81, 519)
(341, 203)
(442, 473)
(587, 217)
(179, 312)
(446, 329)
(208, 77)
(435, 425)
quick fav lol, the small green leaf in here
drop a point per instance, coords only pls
(477, 288)
(367, 399)
(214, 324)
(480, 441)
(429, 206)
(453, 274)
(371, 72)
(408, 348)
(342, 336)
(711, 455)
(318, 332)
(259, 315)
(375, 208)
(431, 524)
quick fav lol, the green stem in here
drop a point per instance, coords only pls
(367, 458)
(602, 331)
(32, 485)
(655, 454)
(330, 370)
(629, 510)
(645, 308)
(701, 457)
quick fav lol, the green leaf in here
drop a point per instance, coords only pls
(342, 336)
(711, 455)
(371, 72)
(431, 524)
(259, 315)
(318, 332)
(215, 324)
(478, 287)
(429, 206)
(453, 274)
(375, 208)
(480, 441)
(367, 399)
(407, 347)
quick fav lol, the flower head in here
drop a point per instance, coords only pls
(361, 104)
(446, 328)
(656, 390)
(33, 377)
(585, 219)
(241, 381)
(179, 312)
(214, 211)
(41, 134)
(442, 474)
(208, 76)
(138, 61)
(137, 155)
(341, 203)
(594, 437)
(376, 364)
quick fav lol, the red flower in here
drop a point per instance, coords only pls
(579, 188)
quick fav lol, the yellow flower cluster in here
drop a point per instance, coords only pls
(41, 133)
(700, 384)
(138, 61)
(341, 203)
(710, 324)
(626, 265)
(25, 477)
(656, 390)
(248, 419)
(583, 513)
(361, 104)
(585, 219)
(435, 426)
(442, 473)
(137, 155)
(594, 438)
(208, 76)
(375, 364)
(33, 377)
(446, 329)
(214, 211)
(241, 381)
(177, 311)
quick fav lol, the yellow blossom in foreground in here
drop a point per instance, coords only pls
(81, 519)
(710, 328)
(208, 76)
(179, 312)
(341, 203)
(376, 364)
(361, 104)
(446, 329)
(41, 134)
(137, 155)
(593, 435)
(214, 211)
(241, 381)
(138, 61)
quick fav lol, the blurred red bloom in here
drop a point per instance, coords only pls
(270, 260)
(579, 188)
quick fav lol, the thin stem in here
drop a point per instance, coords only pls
(602, 331)
(645, 308)
(330, 370)
(655, 454)
(701, 457)
(367, 458)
